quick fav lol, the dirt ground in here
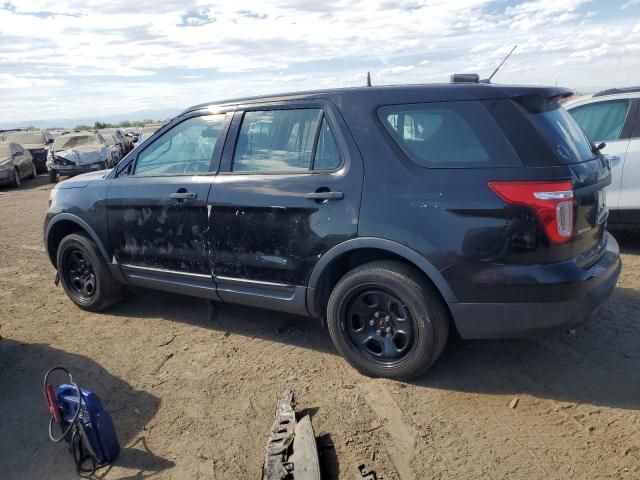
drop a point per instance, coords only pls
(207, 412)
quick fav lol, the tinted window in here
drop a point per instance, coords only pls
(541, 131)
(602, 121)
(327, 152)
(448, 135)
(185, 149)
(276, 140)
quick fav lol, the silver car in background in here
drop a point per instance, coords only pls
(76, 153)
(16, 163)
(613, 117)
(37, 142)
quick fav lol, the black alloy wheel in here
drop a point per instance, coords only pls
(379, 324)
(79, 274)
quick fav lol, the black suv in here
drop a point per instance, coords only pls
(396, 214)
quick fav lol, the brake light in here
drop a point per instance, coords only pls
(551, 202)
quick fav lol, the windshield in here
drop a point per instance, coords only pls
(26, 137)
(70, 141)
(5, 151)
(108, 139)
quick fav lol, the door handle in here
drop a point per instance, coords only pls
(183, 195)
(325, 196)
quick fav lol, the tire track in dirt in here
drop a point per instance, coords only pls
(403, 436)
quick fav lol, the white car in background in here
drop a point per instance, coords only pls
(613, 117)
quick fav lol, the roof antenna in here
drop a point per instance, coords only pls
(368, 79)
(488, 80)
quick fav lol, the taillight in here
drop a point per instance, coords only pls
(552, 203)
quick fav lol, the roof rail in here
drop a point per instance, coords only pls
(615, 91)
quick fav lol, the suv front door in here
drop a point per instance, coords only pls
(288, 190)
(157, 204)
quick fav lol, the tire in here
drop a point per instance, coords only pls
(16, 182)
(84, 274)
(53, 176)
(34, 172)
(387, 320)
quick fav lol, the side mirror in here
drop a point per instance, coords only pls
(601, 145)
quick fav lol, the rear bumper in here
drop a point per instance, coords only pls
(525, 319)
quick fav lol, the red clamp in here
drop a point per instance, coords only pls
(52, 403)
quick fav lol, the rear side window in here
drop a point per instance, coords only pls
(448, 135)
(542, 132)
(276, 140)
(602, 121)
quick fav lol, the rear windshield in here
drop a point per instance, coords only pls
(5, 151)
(541, 131)
(448, 135)
(26, 137)
(65, 142)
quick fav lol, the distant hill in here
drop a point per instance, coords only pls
(72, 122)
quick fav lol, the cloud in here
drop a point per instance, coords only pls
(629, 4)
(196, 18)
(109, 55)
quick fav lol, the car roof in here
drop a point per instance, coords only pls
(398, 93)
(585, 100)
(616, 91)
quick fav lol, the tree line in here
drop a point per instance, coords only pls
(122, 124)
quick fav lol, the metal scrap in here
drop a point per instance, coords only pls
(291, 449)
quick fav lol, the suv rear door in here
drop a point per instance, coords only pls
(288, 190)
(157, 204)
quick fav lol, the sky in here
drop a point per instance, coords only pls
(94, 59)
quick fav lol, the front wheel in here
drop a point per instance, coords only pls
(387, 320)
(53, 176)
(34, 172)
(84, 274)
(16, 182)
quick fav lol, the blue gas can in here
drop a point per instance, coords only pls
(97, 423)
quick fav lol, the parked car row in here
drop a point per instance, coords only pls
(64, 153)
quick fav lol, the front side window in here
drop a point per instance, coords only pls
(276, 140)
(602, 121)
(186, 149)
(448, 135)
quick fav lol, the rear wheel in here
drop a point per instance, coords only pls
(16, 182)
(84, 274)
(387, 320)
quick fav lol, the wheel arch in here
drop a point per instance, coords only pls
(64, 224)
(351, 253)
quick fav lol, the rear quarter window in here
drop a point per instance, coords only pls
(448, 135)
